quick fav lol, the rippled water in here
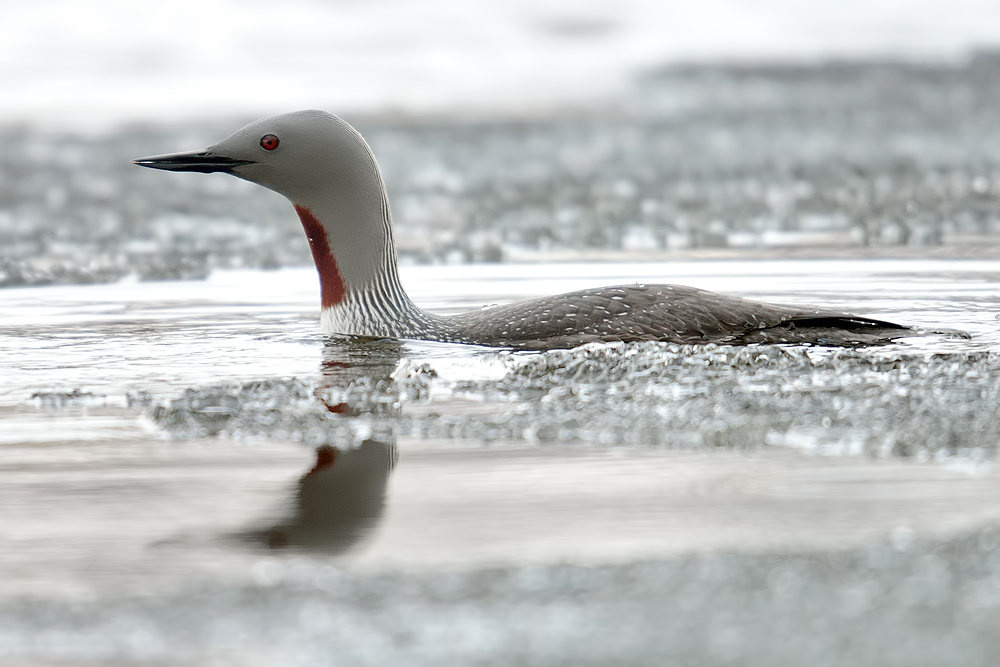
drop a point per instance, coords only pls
(473, 505)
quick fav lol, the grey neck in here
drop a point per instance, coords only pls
(354, 212)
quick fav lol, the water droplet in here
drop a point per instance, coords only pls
(490, 306)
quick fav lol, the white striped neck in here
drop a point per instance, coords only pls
(349, 226)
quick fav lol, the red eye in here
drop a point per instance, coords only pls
(269, 142)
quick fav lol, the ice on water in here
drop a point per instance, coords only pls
(890, 402)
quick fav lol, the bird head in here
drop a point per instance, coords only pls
(298, 155)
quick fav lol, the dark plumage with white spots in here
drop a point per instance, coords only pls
(670, 313)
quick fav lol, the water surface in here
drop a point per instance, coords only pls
(474, 502)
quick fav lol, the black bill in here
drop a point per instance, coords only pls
(205, 162)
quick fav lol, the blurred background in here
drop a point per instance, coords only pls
(66, 65)
(512, 130)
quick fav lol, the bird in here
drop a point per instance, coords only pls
(326, 169)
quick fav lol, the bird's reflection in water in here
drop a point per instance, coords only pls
(355, 376)
(340, 500)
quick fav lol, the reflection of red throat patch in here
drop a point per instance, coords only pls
(331, 283)
(326, 456)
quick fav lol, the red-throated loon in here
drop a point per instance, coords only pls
(328, 172)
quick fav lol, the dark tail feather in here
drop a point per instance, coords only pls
(841, 331)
